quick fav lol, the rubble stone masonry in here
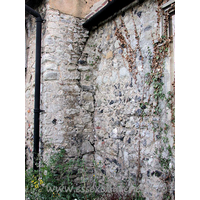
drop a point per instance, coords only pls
(92, 101)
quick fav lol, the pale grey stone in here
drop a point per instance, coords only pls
(50, 49)
(49, 40)
(47, 57)
(86, 119)
(131, 132)
(126, 160)
(117, 44)
(73, 152)
(113, 134)
(89, 107)
(27, 94)
(73, 75)
(71, 89)
(124, 72)
(58, 139)
(112, 150)
(129, 124)
(87, 97)
(70, 47)
(114, 76)
(105, 79)
(101, 134)
(49, 66)
(72, 111)
(72, 68)
(84, 68)
(69, 40)
(99, 80)
(88, 160)
(50, 76)
(86, 147)
(98, 158)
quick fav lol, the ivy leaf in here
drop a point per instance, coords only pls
(163, 37)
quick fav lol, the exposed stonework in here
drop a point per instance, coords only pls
(92, 101)
(122, 135)
(64, 119)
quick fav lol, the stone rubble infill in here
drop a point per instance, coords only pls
(93, 104)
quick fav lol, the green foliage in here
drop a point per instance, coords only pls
(164, 152)
(87, 78)
(91, 63)
(55, 180)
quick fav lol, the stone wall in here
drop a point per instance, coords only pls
(93, 92)
(67, 121)
(124, 138)
(63, 39)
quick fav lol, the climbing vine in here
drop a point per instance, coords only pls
(157, 61)
(155, 78)
(131, 53)
(157, 55)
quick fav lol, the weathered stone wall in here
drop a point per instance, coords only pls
(124, 138)
(63, 40)
(65, 121)
(94, 104)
